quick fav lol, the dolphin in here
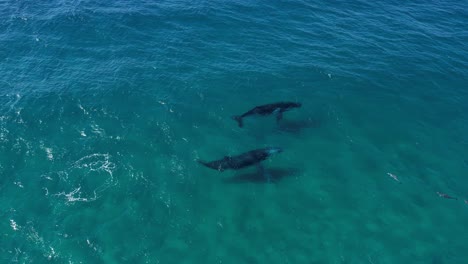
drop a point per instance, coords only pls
(243, 160)
(268, 109)
(446, 196)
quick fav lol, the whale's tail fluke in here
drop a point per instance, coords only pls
(239, 120)
(216, 165)
(204, 163)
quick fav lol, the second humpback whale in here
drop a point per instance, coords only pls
(243, 160)
(268, 109)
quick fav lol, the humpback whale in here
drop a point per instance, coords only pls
(243, 160)
(268, 109)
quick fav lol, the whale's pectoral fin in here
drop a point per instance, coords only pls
(279, 116)
(239, 120)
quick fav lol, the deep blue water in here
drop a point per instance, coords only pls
(106, 106)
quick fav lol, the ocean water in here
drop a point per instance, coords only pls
(106, 106)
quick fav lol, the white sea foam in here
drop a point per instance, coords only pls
(46, 177)
(97, 130)
(96, 162)
(75, 196)
(85, 180)
(166, 129)
(48, 151)
(33, 236)
(3, 134)
(177, 166)
(13, 225)
(136, 174)
(16, 256)
(84, 110)
(52, 254)
(19, 119)
(91, 245)
(165, 197)
(13, 100)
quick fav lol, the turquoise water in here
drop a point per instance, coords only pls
(105, 107)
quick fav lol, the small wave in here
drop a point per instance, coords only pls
(177, 166)
(134, 174)
(13, 225)
(84, 181)
(33, 236)
(75, 196)
(91, 245)
(3, 131)
(96, 162)
(19, 184)
(22, 145)
(35, 241)
(97, 130)
(166, 131)
(13, 100)
(17, 254)
(52, 254)
(48, 151)
(82, 109)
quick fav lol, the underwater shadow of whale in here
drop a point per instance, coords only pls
(297, 126)
(276, 174)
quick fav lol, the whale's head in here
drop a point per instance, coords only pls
(297, 105)
(273, 150)
(293, 105)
